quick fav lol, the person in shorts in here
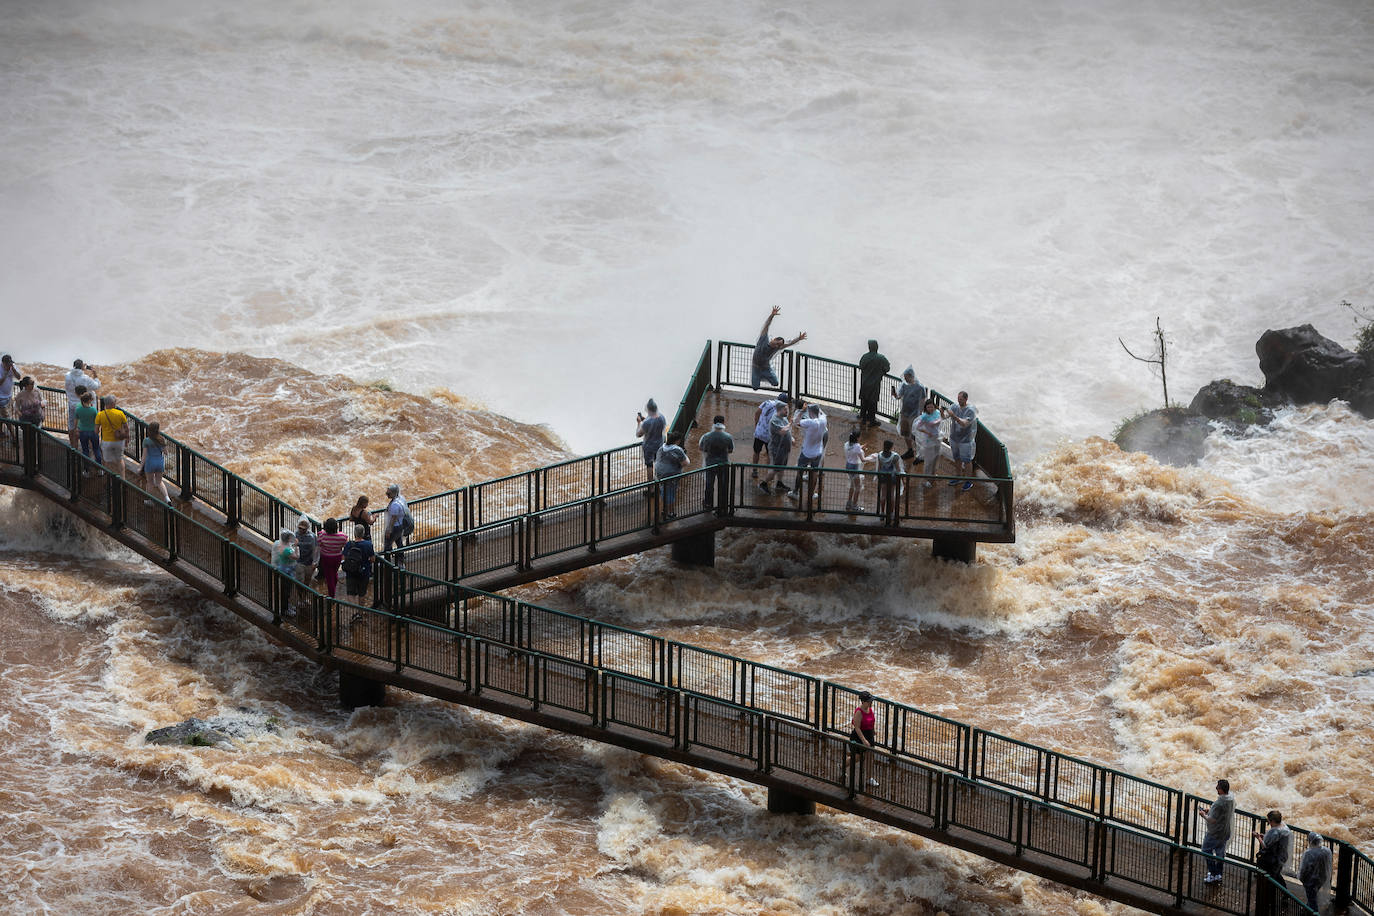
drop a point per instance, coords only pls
(9, 374)
(113, 424)
(814, 432)
(912, 395)
(650, 428)
(761, 364)
(963, 429)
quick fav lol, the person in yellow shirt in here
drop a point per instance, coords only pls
(113, 424)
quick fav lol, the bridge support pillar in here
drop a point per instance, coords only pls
(961, 549)
(355, 691)
(781, 802)
(697, 550)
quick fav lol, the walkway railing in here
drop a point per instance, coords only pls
(933, 773)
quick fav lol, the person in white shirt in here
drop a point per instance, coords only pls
(814, 428)
(80, 376)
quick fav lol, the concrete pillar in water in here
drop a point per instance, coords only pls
(697, 550)
(781, 802)
(355, 691)
(961, 549)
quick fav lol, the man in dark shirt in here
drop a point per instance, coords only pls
(872, 367)
(716, 447)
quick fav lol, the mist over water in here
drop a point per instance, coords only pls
(499, 198)
(546, 211)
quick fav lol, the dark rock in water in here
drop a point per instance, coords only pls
(1172, 435)
(218, 731)
(1362, 395)
(1304, 367)
(194, 732)
(1236, 406)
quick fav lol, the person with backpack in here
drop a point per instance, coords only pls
(331, 546)
(399, 525)
(357, 562)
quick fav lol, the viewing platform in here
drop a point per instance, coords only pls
(578, 513)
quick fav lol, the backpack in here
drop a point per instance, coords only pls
(407, 524)
(353, 558)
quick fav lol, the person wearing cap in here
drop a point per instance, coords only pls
(763, 417)
(761, 364)
(113, 424)
(1315, 870)
(1219, 817)
(715, 448)
(863, 725)
(307, 551)
(912, 395)
(650, 428)
(873, 366)
(81, 375)
(393, 531)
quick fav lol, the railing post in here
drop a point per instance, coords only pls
(186, 472)
(73, 476)
(116, 491)
(233, 500)
(229, 559)
(1345, 875)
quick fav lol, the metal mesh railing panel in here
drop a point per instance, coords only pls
(722, 727)
(554, 633)
(906, 784)
(151, 521)
(567, 685)
(437, 516)
(1362, 891)
(201, 548)
(824, 379)
(491, 548)
(499, 500)
(557, 530)
(568, 482)
(1060, 834)
(1140, 859)
(211, 482)
(982, 809)
(624, 512)
(1074, 783)
(781, 693)
(706, 672)
(623, 467)
(934, 740)
(255, 580)
(639, 705)
(1233, 894)
(627, 652)
(367, 631)
(801, 750)
(506, 669)
(52, 459)
(255, 511)
(490, 617)
(434, 560)
(1012, 764)
(1141, 804)
(433, 649)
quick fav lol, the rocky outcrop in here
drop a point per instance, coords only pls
(1171, 436)
(1234, 406)
(217, 731)
(1302, 366)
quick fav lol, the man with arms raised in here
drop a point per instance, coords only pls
(764, 351)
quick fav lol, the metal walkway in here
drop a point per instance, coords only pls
(1064, 819)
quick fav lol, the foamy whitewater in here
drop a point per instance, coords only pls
(527, 218)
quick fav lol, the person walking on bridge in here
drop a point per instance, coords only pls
(863, 726)
(873, 366)
(1219, 817)
(761, 367)
(715, 448)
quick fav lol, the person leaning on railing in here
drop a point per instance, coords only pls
(873, 368)
(1219, 816)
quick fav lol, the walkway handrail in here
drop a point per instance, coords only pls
(1115, 826)
(696, 390)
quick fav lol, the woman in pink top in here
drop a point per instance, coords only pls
(331, 545)
(863, 723)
